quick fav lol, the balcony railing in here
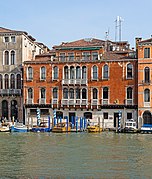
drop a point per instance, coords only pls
(42, 101)
(105, 101)
(74, 102)
(29, 101)
(10, 92)
(74, 81)
(54, 101)
(129, 101)
(76, 58)
(94, 102)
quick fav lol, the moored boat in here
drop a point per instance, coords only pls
(146, 128)
(130, 127)
(61, 127)
(19, 127)
(94, 128)
(5, 128)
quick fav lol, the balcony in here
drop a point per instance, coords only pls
(129, 101)
(105, 101)
(146, 82)
(146, 104)
(73, 102)
(74, 81)
(29, 101)
(42, 101)
(94, 102)
(54, 101)
(8, 92)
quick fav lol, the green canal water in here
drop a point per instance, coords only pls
(75, 155)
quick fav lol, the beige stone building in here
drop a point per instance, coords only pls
(15, 48)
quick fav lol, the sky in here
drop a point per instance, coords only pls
(55, 21)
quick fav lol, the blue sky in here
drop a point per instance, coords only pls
(56, 21)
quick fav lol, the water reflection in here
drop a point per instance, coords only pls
(104, 155)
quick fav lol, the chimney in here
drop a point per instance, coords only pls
(137, 40)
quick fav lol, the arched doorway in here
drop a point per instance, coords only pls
(14, 110)
(147, 118)
(88, 115)
(5, 109)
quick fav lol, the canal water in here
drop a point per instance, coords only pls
(75, 155)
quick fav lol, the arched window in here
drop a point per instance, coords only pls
(12, 57)
(30, 73)
(43, 73)
(1, 81)
(12, 81)
(30, 93)
(147, 117)
(19, 81)
(105, 72)
(147, 75)
(6, 58)
(6, 81)
(72, 75)
(55, 72)
(66, 72)
(77, 93)
(43, 93)
(129, 71)
(105, 93)
(71, 93)
(146, 95)
(65, 93)
(84, 93)
(95, 93)
(129, 93)
(78, 73)
(84, 72)
(14, 109)
(95, 72)
(5, 109)
(55, 93)
(147, 53)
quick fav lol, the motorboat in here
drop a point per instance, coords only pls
(4, 128)
(146, 128)
(43, 127)
(61, 127)
(130, 127)
(94, 128)
(19, 127)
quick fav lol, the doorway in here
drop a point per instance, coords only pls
(116, 115)
(72, 117)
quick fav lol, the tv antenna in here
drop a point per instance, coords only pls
(118, 24)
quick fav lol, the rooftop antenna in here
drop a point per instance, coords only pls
(118, 23)
(106, 39)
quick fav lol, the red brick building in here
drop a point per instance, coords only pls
(144, 48)
(86, 78)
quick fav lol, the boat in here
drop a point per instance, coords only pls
(146, 128)
(130, 127)
(43, 127)
(61, 127)
(94, 128)
(5, 128)
(19, 127)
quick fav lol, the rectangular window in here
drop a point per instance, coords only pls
(94, 55)
(71, 56)
(44, 112)
(147, 53)
(6, 39)
(86, 55)
(129, 115)
(105, 115)
(13, 39)
(62, 57)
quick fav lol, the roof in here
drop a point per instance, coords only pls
(5, 30)
(146, 40)
(88, 42)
